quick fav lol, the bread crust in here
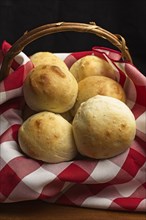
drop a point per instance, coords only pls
(91, 65)
(49, 88)
(46, 58)
(98, 85)
(103, 127)
(48, 137)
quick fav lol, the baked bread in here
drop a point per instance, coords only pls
(46, 58)
(103, 127)
(98, 85)
(91, 65)
(49, 88)
(48, 137)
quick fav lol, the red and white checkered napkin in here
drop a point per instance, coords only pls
(117, 183)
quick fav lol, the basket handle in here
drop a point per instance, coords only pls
(115, 39)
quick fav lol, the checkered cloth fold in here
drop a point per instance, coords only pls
(118, 183)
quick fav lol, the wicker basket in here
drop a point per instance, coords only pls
(116, 183)
(116, 39)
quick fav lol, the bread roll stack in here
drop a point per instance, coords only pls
(81, 110)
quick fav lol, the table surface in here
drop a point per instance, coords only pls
(41, 210)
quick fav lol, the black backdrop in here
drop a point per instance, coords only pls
(126, 18)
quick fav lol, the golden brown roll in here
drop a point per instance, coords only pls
(49, 88)
(91, 65)
(103, 127)
(48, 137)
(98, 85)
(46, 58)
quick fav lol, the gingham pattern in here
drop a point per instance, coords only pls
(118, 183)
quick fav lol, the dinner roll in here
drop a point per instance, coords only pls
(98, 85)
(48, 137)
(91, 65)
(48, 88)
(45, 58)
(103, 127)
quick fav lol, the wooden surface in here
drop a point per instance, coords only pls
(33, 210)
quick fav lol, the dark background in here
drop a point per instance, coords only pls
(127, 18)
